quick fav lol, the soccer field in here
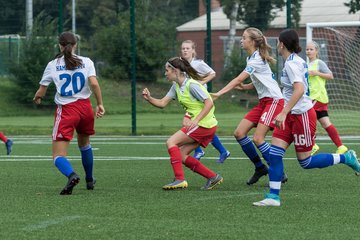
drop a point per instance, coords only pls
(128, 202)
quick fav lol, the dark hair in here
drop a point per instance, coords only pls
(68, 41)
(290, 39)
(184, 66)
(260, 42)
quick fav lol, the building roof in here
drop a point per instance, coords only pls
(311, 11)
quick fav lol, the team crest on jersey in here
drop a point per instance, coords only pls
(249, 69)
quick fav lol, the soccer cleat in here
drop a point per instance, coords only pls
(8, 146)
(284, 178)
(342, 149)
(199, 155)
(176, 184)
(90, 183)
(223, 157)
(271, 200)
(212, 182)
(259, 172)
(74, 179)
(315, 149)
(352, 161)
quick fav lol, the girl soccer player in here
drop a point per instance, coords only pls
(271, 100)
(319, 73)
(296, 122)
(200, 128)
(207, 73)
(73, 76)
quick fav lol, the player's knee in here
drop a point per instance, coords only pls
(304, 163)
(239, 134)
(258, 140)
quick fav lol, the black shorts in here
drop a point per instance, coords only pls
(321, 114)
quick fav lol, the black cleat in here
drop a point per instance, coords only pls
(259, 172)
(74, 179)
(284, 178)
(90, 183)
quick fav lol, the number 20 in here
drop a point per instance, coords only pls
(77, 81)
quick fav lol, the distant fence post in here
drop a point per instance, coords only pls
(208, 39)
(133, 67)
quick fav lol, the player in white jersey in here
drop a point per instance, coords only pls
(271, 101)
(296, 122)
(207, 73)
(74, 77)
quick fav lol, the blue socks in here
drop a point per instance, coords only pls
(265, 151)
(218, 145)
(250, 151)
(87, 160)
(321, 160)
(276, 168)
(63, 165)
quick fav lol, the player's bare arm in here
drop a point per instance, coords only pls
(39, 95)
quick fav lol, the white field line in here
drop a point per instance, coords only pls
(50, 222)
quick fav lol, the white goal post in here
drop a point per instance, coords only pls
(340, 48)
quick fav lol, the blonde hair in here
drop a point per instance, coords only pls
(193, 46)
(260, 42)
(317, 47)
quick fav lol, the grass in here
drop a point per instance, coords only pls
(128, 202)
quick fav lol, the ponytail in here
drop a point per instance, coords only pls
(260, 42)
(68, 41)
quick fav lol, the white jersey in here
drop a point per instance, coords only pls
(296, 70)
(71, 85)
(201, 67)
(262, 77)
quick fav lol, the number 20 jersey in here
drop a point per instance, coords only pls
(71, 85)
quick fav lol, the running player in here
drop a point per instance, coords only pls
(319, 73)
(207, 73)
(296, 122)
(74, 77)
(199, 130)
(8, 143)
(271, 100)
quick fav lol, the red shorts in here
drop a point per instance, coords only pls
(300, 129)
(320, 107)
(78, 115)
(201, 135)
(265, 111)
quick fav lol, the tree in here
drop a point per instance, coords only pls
(37, 52)
(354, 6)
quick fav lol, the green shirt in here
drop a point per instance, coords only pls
(194, 106)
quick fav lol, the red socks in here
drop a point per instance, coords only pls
(3, 138)
(190, 162)
(333, 134)
(196, 166)
(176, 162)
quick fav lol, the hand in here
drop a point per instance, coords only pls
(146, 94)
(186, 121)
(313, 73)
(100, 111)
(191, 124)
(280, 121)
(37, 100)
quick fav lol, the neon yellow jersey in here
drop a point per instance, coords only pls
(317, 84)
(194, 106)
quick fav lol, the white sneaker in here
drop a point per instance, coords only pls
(271, 200)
